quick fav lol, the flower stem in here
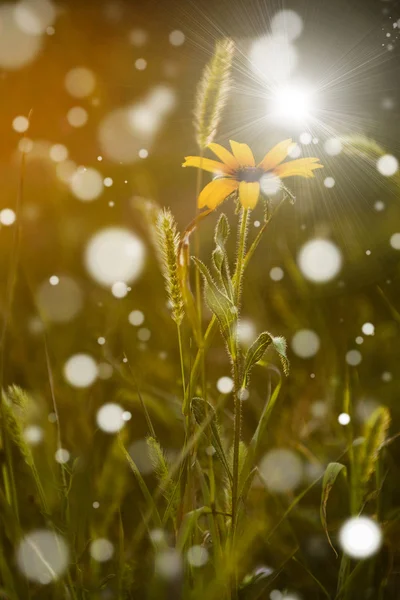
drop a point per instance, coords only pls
(236, 368)
(241, 254)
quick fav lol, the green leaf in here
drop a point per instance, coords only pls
(255, 354)
(279, 344)
(222, 306)
(202, 411)
(220, 256)
(257, 351)
(222, 231)
(330, 476)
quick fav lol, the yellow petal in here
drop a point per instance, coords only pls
(215, 192)
(207, 165)
(249, 193)
(243, 154)
(303, 167)
(224, 155)
(276, 155)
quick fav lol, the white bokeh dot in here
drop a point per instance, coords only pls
(197, 556)
(368, 329)
(62, 456)
(177, 38)
(17, 47)
(353, 357)
(168, 564)
(246, 331)
(138, 37)
(276, 274)
(77, 116)
(33, 435)
(379, 206)
(34, 17)
(42, 556)
(320, 260)
(288, 24)
(141, 64)
(110, 417)
(59, 303)
(360, 537)
(225, 385)
(58, 153)
(305, 343)
(144, 334)
(115, 255)
(281, 470)
(119, 289)
(305, 138)
(80, 370)
(136, 318)
(395, 241)
(387, 165)
(329, 182)
(101, 550)
(20, 124)
(86, 184)
(333, 146)
(80, 82)
(7, 217)
(344, 419)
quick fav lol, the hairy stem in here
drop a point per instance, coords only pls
(236, 368)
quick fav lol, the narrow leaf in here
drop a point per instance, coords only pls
(143, 487)
(219, 303)
(330, 476)
(200, 409)
(252, 454)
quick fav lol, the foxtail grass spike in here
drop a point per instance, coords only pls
(168, 242)
(212, 93)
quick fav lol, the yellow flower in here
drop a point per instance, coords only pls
(239, 172)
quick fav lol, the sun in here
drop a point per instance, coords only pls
(292, 103)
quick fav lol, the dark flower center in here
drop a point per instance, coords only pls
(249, 174)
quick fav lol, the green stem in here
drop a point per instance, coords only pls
(241, 255)
(236, 379)
(178, 326)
